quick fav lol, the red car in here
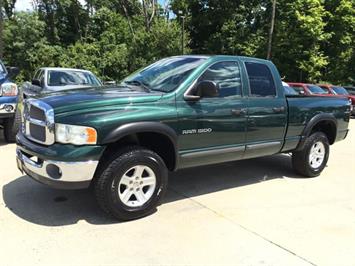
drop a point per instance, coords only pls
(309, 89)
(339, 91)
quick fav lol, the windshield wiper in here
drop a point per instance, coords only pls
(139, 83)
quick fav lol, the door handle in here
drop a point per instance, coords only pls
(278, 109)
(238, 112)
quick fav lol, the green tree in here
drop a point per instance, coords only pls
(340, 47)
(300, 33)
(26, 46)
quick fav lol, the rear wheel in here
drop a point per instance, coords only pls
(313, 158)
(132, 184)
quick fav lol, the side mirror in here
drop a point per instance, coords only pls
(37, 82)
(203, 89)
(12, 72)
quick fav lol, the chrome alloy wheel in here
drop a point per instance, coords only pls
(137, 186)
(316, 155)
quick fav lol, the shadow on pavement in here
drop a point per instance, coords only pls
(42, 205)
(2, 140)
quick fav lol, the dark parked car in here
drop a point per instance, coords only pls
(8, 95)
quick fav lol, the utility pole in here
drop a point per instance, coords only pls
(271, 32)
(183, 35)
(181, 14)
(1, 31)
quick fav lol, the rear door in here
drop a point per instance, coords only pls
(267, 111)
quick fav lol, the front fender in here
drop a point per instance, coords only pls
(140, 127)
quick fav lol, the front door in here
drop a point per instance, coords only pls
(213, 129)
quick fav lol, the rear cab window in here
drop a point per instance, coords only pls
(261, 81)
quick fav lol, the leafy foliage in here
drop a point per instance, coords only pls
(111, 42)
(313, 39)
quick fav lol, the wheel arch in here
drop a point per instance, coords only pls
(325, 123)
(155, 136)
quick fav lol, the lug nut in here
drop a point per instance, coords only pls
(141, 182)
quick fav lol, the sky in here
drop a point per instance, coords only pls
(23, 5)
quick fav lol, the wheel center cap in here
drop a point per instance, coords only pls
(136, 184)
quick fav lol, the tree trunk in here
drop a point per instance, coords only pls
(1, 31)
(271, 32)
(127, 16)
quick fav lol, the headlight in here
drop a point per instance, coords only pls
(77, 135)
(9, 89)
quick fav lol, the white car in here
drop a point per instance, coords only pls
(56, 79)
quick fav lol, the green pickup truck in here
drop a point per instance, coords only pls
(179, 112)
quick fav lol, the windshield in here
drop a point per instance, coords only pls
(316, 90)
(290, 91)
(165, 75)
(340, 91)
(68, 77)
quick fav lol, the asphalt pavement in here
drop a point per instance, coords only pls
(253, 212)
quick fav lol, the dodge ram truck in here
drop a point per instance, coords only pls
(178, 112)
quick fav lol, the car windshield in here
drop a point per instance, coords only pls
(316, 90)
(71, 77)
(290, 91)
(340, 91)
(165, 75)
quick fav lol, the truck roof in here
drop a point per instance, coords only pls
(223, 57)
(65, 69)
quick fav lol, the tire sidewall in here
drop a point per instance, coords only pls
(316, 137)
(128, 161)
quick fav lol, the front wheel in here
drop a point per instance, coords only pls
(11, 127)
(132, 184)
(312, 159)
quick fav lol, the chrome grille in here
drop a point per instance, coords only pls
(38, 121)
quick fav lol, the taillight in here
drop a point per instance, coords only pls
(9, 89)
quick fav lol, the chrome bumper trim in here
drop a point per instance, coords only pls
(6, 105)
(70, 171)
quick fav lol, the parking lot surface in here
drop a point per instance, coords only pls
(253, 212)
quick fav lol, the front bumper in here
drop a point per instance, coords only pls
(57, 174)
(7, 110)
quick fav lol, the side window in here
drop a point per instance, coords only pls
(36, 76)
(41, 77)
(260, 79)
(227, 77)
(299, 89)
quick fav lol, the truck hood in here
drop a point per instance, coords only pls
(95, 97)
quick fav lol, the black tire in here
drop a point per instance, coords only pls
(11, 127)
(108, 179)
(300, 159)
